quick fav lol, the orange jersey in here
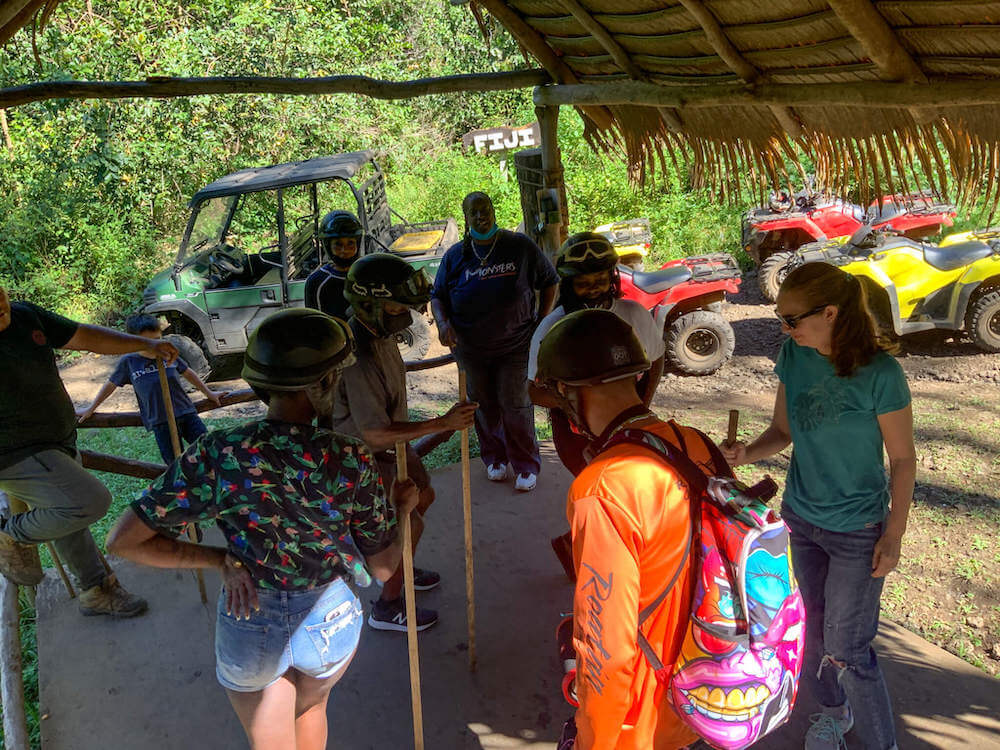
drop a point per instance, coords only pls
(630, 517)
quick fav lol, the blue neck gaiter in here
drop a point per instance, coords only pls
(483, 237)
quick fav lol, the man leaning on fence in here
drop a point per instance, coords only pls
(39, 462)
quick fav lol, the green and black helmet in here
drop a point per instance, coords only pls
(293, 349)
(590, 347)
(340, 224)
(585, 252)
(379, 278)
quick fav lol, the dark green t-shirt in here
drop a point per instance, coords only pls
(837, 478)
(36, 413)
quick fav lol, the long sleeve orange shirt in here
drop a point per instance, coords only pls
(630, 518)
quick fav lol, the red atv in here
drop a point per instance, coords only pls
(789, 222)
(685, 296)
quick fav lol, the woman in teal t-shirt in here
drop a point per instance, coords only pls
(842, 398)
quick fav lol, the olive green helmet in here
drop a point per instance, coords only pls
(296, 348)
(379, 278)
(585, 252)
(590, 347)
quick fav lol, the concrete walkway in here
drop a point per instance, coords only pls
(149, 684)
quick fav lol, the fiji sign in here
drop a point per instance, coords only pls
(494, 140)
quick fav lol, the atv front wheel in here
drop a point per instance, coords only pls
(415, 340)
(772, 272)
(984, 321)
(191, 353)
(699, 342)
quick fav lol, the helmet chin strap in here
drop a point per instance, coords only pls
(571, 405)
(344, 263)
(322, 399)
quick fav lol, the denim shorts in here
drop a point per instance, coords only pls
(315, 632)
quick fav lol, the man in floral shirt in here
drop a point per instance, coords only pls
(302, 509)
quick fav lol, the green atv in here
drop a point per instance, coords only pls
(251, 242)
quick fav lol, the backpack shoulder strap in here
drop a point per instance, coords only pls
(696, 480)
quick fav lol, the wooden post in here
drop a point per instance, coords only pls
(470, 589)
(734, 423)
(410, 600)
(7, 142)
(175, 442)
(552, 175)
(62, 571)
(15, 723)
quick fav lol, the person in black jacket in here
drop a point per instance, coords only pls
(340, 233)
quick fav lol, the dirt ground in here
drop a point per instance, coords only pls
(947, 587)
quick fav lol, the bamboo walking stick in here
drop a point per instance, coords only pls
(410, 600)
(734, 423)
(470, 590)
(175, 441)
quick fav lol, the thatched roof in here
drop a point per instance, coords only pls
(863, 86)
(874, 91)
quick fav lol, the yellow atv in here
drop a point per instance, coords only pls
(631, 239)
(917, 286)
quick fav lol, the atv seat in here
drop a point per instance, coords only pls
(659, 281)
(950, 257)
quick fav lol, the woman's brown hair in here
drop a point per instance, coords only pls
(855, 337)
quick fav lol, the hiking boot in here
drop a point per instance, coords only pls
(496, 472)
(525, 482)
(20, 563)
(425, 580)
(829, 727)
(110, 598)
(563, 547)
(391, 615)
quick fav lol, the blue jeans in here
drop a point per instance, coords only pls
(505, 419)
(315, 632)
(842, 610)
(189, 428)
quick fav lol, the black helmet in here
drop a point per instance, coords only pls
(292, 349)
(379, 278)
(585, 252)
(340, 224)
(590, 347)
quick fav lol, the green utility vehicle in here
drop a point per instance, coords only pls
(251, 242)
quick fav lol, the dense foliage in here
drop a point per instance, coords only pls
(93, 194)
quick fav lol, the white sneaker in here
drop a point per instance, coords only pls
(525, 482)
(829, 727)
(496, 472)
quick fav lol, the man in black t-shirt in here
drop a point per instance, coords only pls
(340, 234)
(39, 462)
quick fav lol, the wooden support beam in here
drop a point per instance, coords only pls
(875, 94)
(535, 43)
(132, 418)
(15, 723)
(719, 41)
(22, 13)
(162, 87)
(552, 178)
(726, 50)
(604, 38)
(863, 21)
(129, 467)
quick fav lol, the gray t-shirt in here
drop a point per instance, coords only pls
(371, 392)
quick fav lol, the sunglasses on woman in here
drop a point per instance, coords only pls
(793, 320)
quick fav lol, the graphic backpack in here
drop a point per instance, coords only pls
(736, 676)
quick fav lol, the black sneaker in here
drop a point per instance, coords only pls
(392, 616)
(425, 580)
